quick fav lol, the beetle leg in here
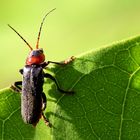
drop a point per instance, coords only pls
(46, 120)
(58, 63)
(46, 75)
(44, 101)
(16, 87)
(43, 108)
(67, 61)
(21, 71)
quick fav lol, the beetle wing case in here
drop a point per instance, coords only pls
(31, 100)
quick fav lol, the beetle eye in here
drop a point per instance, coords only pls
(41, 50)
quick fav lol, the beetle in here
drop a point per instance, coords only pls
(33, 99)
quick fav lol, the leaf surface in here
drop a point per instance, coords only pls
(105, 106)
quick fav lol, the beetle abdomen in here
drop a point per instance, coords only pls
(31, 100)
(31, 108)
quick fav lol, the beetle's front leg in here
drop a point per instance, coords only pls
(21, 71)
(46, 75)
(67, 61)
(17, 86)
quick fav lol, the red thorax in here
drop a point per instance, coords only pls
(35, 57)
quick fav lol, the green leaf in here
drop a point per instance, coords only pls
(105, 106)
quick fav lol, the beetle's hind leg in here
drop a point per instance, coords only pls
(17, 86)
(46, 120)
(43, 108)
(46, 75)
(44, 101)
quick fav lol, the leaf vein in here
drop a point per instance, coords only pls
(124, 101)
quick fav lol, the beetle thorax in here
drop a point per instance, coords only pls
(35, 57)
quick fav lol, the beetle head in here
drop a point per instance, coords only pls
(35, 57)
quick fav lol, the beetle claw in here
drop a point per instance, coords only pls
(67, 61)
(46, 120)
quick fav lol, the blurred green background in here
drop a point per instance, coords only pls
(76, 26)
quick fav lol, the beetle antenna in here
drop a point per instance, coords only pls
(20, 37)
(37, 44)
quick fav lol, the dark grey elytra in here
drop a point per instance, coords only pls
(33, 99)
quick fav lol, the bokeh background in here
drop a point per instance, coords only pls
(76, 26)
